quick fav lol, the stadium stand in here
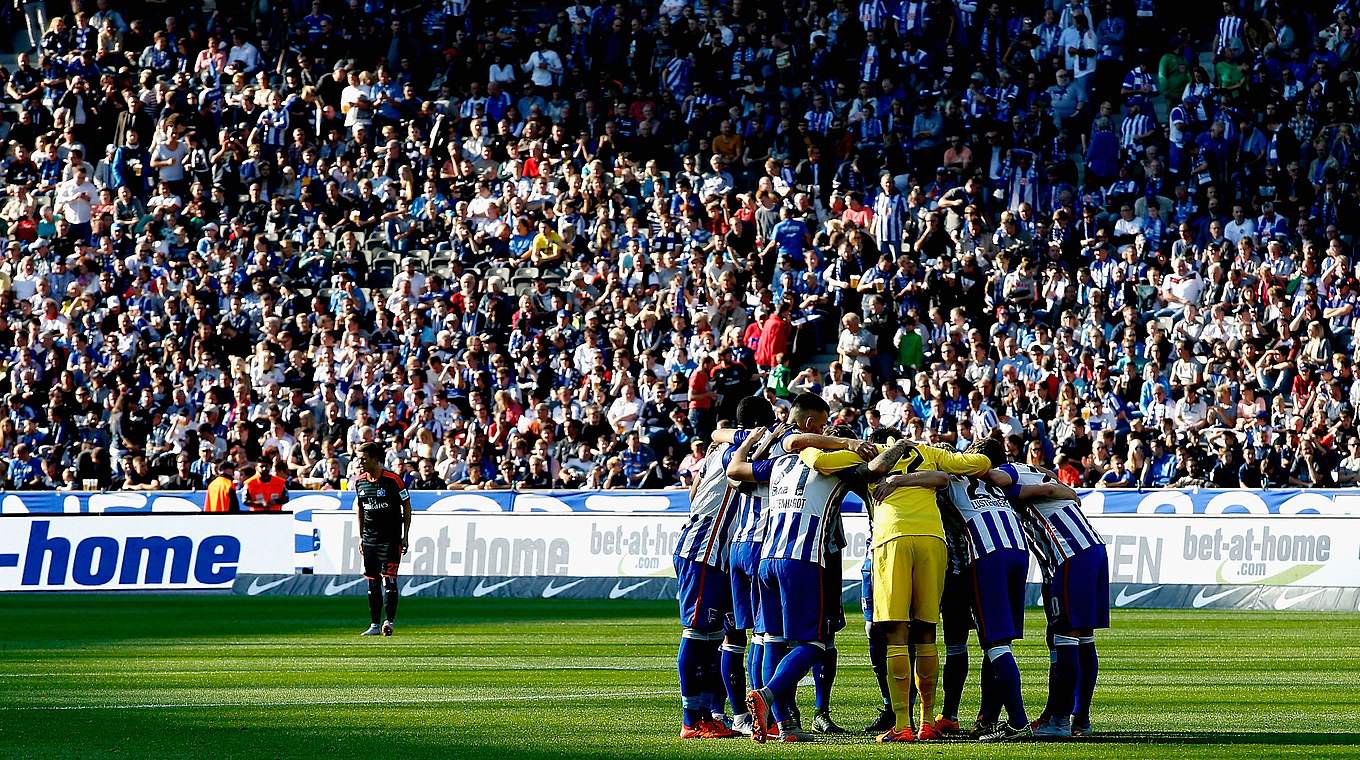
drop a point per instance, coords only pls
(552, 246)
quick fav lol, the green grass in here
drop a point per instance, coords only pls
(223, 676)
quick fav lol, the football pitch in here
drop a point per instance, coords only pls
(227, 676)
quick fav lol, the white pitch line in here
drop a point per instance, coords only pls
(267, 671)
(333, 702)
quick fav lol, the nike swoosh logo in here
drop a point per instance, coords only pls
(1203, 598)
(256, 587)
(483, 589)
(847, 586)
(621, 590)
(412, 587)
(1126, 598)
(332, 588)
(550, 591)
(1286, 601)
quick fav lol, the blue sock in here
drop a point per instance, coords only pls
(1086, 678)
(784, 682)
(823, 678)
(714, 687)
(692, 662)
(734, 676)
(1006, 681)
(1064, 677)
(774, 652)
(755, 662)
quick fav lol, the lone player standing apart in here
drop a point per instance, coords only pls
(384, 510)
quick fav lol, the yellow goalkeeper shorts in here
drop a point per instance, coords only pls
(909, 578)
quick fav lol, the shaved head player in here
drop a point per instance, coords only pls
(384, 510)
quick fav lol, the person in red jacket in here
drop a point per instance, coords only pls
(775, 333)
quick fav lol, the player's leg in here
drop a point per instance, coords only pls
(999, 597)
(772, 622)
(390, 595)
(373, 574)
(1045, 596)
(699, 641)
(892, 592)
(956, 621)
(733, 669)
(804, 618)
(1086, 682)
(878, 646)
(734, 648)
(824, 670)
(927, 579)
(1090, 610)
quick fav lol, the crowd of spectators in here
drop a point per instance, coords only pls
(552, 246)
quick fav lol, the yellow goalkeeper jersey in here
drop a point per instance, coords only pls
(909, 511)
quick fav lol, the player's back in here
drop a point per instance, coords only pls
(912, 511)
(751, 497)
(990, 523)
(712, 512)
(1056, 527)
(803, 510)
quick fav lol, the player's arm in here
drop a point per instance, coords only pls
(1053, 490)
(933, 479)
(799, 441)
(957, 463)
(884, 462)
(405, 497)
(359, 517)
(740, 468)
(724, 435)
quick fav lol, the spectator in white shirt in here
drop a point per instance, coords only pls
(544, 66)
(74, 197)
(1240, 227)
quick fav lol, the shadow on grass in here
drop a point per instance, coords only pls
(1297, 738)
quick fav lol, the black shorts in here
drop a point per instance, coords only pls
(381, 559)
(956, 606)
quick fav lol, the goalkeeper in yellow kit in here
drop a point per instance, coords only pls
(909, 561)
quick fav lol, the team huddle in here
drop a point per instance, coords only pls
(951, 537)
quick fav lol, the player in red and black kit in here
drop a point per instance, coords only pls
(384, 510)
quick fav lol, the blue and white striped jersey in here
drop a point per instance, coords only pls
(750, 506)
(803, 513)
(990, 520)
(707, 534)
(1057, 528)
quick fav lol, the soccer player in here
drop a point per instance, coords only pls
(909, 563)
(956, 622)
(802, 538)
(384, 510)
(998, 560)
(702, 557)
(807, 416)
(1076, 591)
(878, 643)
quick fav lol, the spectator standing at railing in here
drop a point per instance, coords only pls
(266, 492)
(222, 496)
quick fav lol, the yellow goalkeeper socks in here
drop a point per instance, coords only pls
(927, 672)
(899, 677)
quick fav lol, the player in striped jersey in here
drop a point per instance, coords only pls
(705, 594)
(807, 415)
(999, 562)
(1076, 591)
(803, 537)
